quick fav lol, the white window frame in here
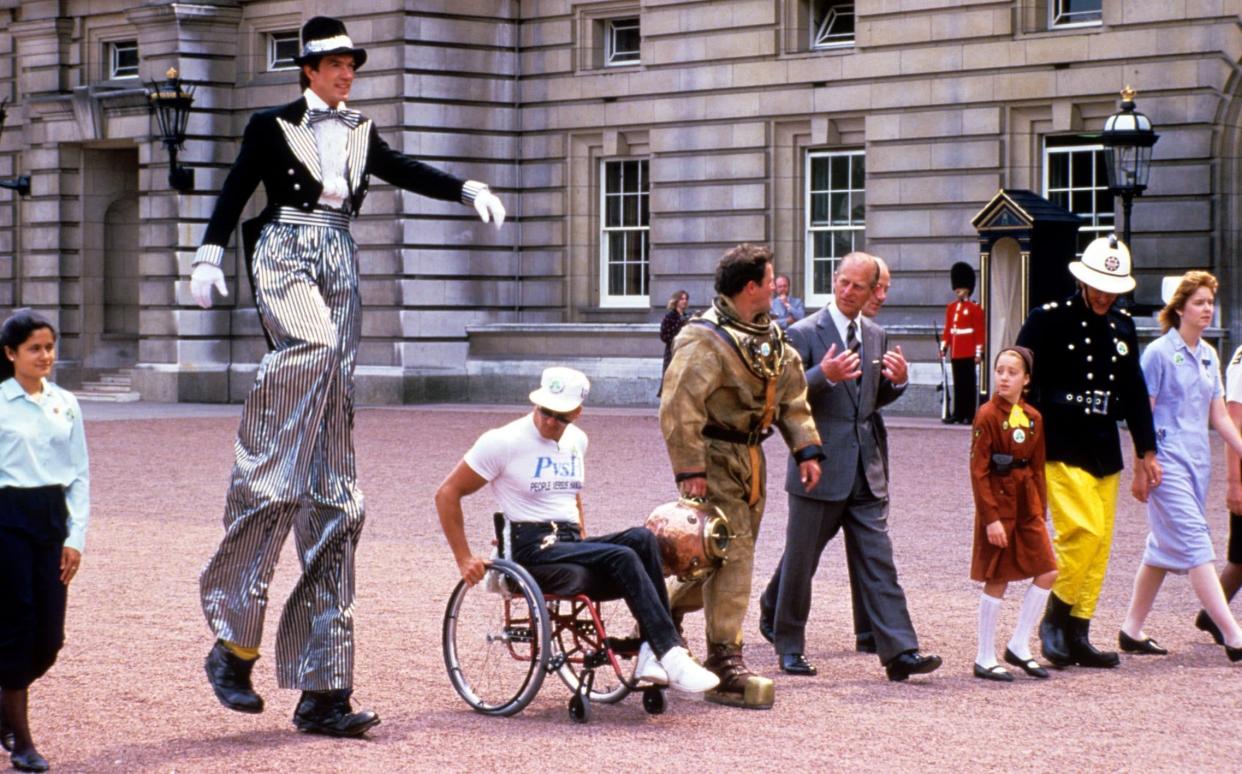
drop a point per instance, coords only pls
(612, 57)
(114, 54)
(1059, 19)
(820, 38)
(607, 295)
(274, 63)
(856, 229)
(1093, 227)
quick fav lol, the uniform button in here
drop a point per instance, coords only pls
(297, 186)
(291, 172)
(306, 206)
(1086, 341)
(1069, 396)
(1084, 323)
(1087, 411)
(1090, 376)
(1071, 346)
(1114, 358)
(1088, 358)
(1111, 377)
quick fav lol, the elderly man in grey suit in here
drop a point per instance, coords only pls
(850, 374)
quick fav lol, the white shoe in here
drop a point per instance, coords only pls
(648, 669)
(685, 674)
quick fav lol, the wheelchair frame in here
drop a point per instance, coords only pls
(536, 634)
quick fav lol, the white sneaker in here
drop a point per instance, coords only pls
(685, 674)
(648, 669)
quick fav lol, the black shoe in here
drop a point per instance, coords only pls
(995, 672)
(1083, 652)
(229, 676)
(949, 420)
(1054, 632)
(330, 713)
(865, 643)
(7, 737)
(767, 628)
(796, 664)
(911, 663)
(1146, 646)
(1030, 665)
(1234, 654)
(1204, 622)
(28, 761)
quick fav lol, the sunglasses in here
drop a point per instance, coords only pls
(564, 419)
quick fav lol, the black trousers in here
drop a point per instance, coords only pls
(965, 391)
(33, 525)
(629, 560)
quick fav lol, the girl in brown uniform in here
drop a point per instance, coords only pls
(1011, 541)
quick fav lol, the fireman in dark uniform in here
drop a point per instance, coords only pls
(1086, 378)
(963, 343)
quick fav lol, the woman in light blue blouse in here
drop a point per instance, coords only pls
(1182, 373)
(44, 507)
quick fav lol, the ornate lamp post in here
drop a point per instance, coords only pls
(170, 102)
(1128, 139)
(20, 184)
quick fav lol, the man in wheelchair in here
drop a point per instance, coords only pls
(535, 467)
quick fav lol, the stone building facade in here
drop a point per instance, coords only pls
(632, 141)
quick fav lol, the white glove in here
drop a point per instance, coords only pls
(204, 277)
(490, 210)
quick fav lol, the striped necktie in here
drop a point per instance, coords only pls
(853, 344)
(350, 118)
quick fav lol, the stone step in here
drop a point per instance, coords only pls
(90, 396)
(106, 387)
(115, 379)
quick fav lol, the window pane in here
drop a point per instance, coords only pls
(612, 211)
(616, 278)
(1081, 166)
(840, 172)
(1104, 202)
(858, 211)
(629, 176)
(612, 177)
(1058, 170)
(819, 174)
(629, 211)
(840, 209)
(1081, 201)
(819, 209)
(633, 279)
(858, 172)
(1059, 198)
(645, 213)
(842, 243)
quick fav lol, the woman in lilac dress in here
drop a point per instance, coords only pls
(1182, 373)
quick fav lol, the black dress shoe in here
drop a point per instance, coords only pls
(911, 663)
(767, 628)
(1204, 622)
(1029, 665)
(330, 713)
(1146, 646)
(1234, 654)
(796, 664)
(7, 737)
(995, 672)
(28, 761)
(229, 676)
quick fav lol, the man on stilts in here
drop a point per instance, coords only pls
(294, 466)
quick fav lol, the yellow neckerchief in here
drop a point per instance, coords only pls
(1018, 417)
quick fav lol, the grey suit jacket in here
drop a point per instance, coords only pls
(844, 413)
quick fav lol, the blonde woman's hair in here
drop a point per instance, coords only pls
(673, 299)
(1171, 314)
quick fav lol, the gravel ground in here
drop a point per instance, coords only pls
(128, 693)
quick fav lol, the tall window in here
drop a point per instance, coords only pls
(1076, 178)
(1069, 12)
(123, 59)
(621, 41)
(832, 24)
(836, 210)
(624, 219)
(282, 47)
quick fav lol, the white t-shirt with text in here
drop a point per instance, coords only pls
(535, 480)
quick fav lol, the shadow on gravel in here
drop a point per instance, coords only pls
(135, 755)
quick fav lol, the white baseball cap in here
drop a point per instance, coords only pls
(561, 389)
(1105, 266)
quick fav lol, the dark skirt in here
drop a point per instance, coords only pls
(33, 526)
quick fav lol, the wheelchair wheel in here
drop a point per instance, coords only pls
(577, 640)
(580, 709)
(496, 640)
(653, 700)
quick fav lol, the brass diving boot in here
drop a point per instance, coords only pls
(739, 687)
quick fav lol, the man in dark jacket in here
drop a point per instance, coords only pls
(294, 465)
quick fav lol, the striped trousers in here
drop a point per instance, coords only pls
(294, 463)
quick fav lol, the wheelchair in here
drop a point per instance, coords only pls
(503, 636)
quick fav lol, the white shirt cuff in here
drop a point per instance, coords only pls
(471, 189)
(213, 254)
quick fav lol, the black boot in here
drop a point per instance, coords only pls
(229, 676)
(1053, 632)
(330, 713)
(1083, 652)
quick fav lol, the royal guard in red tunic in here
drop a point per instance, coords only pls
(963, 343)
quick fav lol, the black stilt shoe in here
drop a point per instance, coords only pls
(1054, 632)
(1083, 652)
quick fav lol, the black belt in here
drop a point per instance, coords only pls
(1003, 463)
(729, 435)
(1091, 401)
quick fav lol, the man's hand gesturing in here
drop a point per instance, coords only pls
(840, 368)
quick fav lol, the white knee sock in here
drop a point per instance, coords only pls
(989, 611)
(1032, 606)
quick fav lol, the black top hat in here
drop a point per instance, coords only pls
(322, 36)
(962, 275)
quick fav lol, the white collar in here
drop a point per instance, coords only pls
(842, 322)
(315, 102)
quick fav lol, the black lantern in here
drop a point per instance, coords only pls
(20, 184)
(1128, 138)
(170, 101)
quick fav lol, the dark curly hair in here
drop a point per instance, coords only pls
(15, 331)
(742, 264)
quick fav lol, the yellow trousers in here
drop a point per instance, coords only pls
(1083, 508)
